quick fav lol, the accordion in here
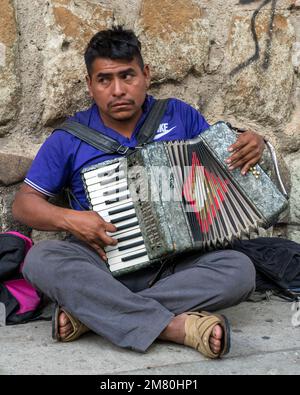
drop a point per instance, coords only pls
(171, 197)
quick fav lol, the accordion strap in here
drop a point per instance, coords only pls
(273, 157)
(276, 167)
(107, 144)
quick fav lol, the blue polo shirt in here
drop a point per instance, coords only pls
(62, 156)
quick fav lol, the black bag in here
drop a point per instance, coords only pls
(277, 263)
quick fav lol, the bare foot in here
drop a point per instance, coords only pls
(175, 332)
(65, 326)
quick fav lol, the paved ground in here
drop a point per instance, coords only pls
(264, 342)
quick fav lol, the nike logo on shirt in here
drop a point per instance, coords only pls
(163, 130)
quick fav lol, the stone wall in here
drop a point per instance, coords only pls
(235, 60)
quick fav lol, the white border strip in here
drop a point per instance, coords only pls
(33, 185)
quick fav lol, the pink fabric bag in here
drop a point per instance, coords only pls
(20, 298)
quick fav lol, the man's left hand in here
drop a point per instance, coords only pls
(246, 151)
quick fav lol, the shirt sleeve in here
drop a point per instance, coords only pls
(51, 168)
(194, 121)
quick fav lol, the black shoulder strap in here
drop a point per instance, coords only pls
(151, 124)
(111, 146)
(91, 136)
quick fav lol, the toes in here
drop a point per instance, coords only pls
(214, 349)
(215, 339)
(217, 332)
(63, 319)
(215, 346)
(65, 326)
(215, 342)
(65, 331)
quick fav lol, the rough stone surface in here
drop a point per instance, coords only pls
(39, 236)
(294, 164)
(253, 85)
(8, 62)
(13, 168)
(70, 25)
(7, 222)
(293, 233)
(175, 38)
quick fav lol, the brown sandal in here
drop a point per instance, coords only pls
(78, 328)
(198, 329)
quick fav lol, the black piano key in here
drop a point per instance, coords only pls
(130, 258)
(128, 226)
(121, 210)
(113, 191)
(130, 237)
(110, 180)
(108, 173)
(136, 244)
(125, 218)
(118, 199)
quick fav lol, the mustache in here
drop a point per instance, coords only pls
(113, 103)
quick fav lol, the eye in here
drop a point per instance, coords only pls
(103, 80)
(128, 76)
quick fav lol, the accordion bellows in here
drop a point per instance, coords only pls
(179, 196)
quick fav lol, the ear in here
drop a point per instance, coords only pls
(89, 85)
(147, 75)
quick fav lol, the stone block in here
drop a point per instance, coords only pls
(8, 75)
(38, 236)
(293, 162)
(70, 26)
(13, 168)
(293, 233)
(260, 68)
(7, 222)
(175, 38)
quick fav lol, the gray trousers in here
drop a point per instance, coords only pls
(125, 310)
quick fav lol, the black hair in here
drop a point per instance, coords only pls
(116, 44)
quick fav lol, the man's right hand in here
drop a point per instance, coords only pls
(89, 227)
(33, 209)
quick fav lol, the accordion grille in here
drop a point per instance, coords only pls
(216, 209)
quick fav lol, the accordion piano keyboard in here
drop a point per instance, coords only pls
(110, 198)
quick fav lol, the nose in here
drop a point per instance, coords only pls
(118, 88)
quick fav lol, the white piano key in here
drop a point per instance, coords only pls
(97, 186)
(103, 199)
(106, 212)
(108, 189)
(103, 206)
(114, 257)
(101, 170)
(102, 181)
(124, 265)
(124, 254)
(118, 217)
(125, 232)
(127, 223)
(124, 244)
(118, 210)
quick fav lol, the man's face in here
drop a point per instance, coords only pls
(119, 88)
